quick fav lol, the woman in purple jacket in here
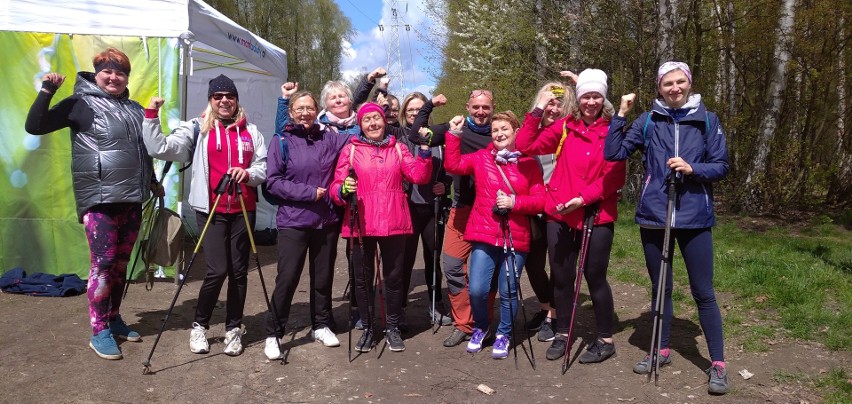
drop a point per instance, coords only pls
(300, 168)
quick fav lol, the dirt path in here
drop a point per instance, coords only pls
(45, 358)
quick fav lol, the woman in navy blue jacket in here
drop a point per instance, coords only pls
(678, 137)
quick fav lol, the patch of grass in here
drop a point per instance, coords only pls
(800, 273)
(836, 386)
(783, 376)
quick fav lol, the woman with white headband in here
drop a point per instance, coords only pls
(680, 138)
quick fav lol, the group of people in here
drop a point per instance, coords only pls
(376, 173)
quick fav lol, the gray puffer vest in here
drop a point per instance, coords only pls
(109, 163)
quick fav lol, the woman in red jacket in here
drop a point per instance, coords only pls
(581, 178)
(507, 181)
(380, 166)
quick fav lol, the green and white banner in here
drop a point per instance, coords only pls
(39, 231)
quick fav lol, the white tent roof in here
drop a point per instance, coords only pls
(144, 18)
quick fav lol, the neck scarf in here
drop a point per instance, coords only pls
(482, 130)
(377, 143)
(341, 122)
(505, 156)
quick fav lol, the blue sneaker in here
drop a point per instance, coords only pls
(477, 340)
(120, 329)
(501, 347)
(356, 319)
(104, 345)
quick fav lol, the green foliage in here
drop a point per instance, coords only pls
(513, 46)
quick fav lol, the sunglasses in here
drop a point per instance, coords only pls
(477, 93)
(558, 91)
(219, 96)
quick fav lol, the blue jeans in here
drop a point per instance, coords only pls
(483, 260)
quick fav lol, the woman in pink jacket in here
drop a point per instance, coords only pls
(581, 178)
(505, 180)
(372, 168)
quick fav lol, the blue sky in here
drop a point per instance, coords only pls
(368, 48)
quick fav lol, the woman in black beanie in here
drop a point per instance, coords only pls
(219, 142)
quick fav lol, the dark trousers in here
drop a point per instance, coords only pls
(696, 247)
(227, 248)
(423, 222)
(564, 246)
(363, 259)
(535, 267)
(294, 245)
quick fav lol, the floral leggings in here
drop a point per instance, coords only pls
(111, 230)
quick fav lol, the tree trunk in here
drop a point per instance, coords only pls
(666, 13)
(840, 189)
(754, 182)
(540, 51)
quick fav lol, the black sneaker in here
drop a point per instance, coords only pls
(546, 333)
(644, 366)
(557, 347)
(456, 337)
(718, 383)
(394, 338)
(535, 323)
(598, 352)
(365, 343)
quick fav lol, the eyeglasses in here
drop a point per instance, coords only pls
(477, 93)
(302, 110)
(219, 96)
(412, 111)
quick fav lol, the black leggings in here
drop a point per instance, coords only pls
(564, 247)
(423, 222)
(535, 267)
(363, 260)
(226, 247)
(294, 245)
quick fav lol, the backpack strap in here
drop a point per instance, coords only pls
(645, 130)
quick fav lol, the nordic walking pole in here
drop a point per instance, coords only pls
(436, 324)
(269, 306)
(520, 295)
(590, 212)
(147, 212)
(504, 223)
(665, 264)
(353, 214)
(220, 189)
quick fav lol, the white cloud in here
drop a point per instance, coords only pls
(368, 50)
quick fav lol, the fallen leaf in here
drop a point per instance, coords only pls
(746, 374)
(821, 371)
(626, 399)
(368, 395)
(676, 372)
(485, 389)
(412, 395)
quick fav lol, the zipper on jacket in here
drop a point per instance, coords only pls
(706, 198)
(228, 142)
(676, 154)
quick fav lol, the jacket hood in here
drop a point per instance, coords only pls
(86, 85)
(693, 104)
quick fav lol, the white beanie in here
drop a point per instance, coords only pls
(591, 81)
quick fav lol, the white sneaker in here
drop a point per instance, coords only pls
(198, 339)
(325, 336)
(233, 345)
(272, 349)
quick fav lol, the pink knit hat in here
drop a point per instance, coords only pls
(370, 107)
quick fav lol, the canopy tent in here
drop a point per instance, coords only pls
(175, 47)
